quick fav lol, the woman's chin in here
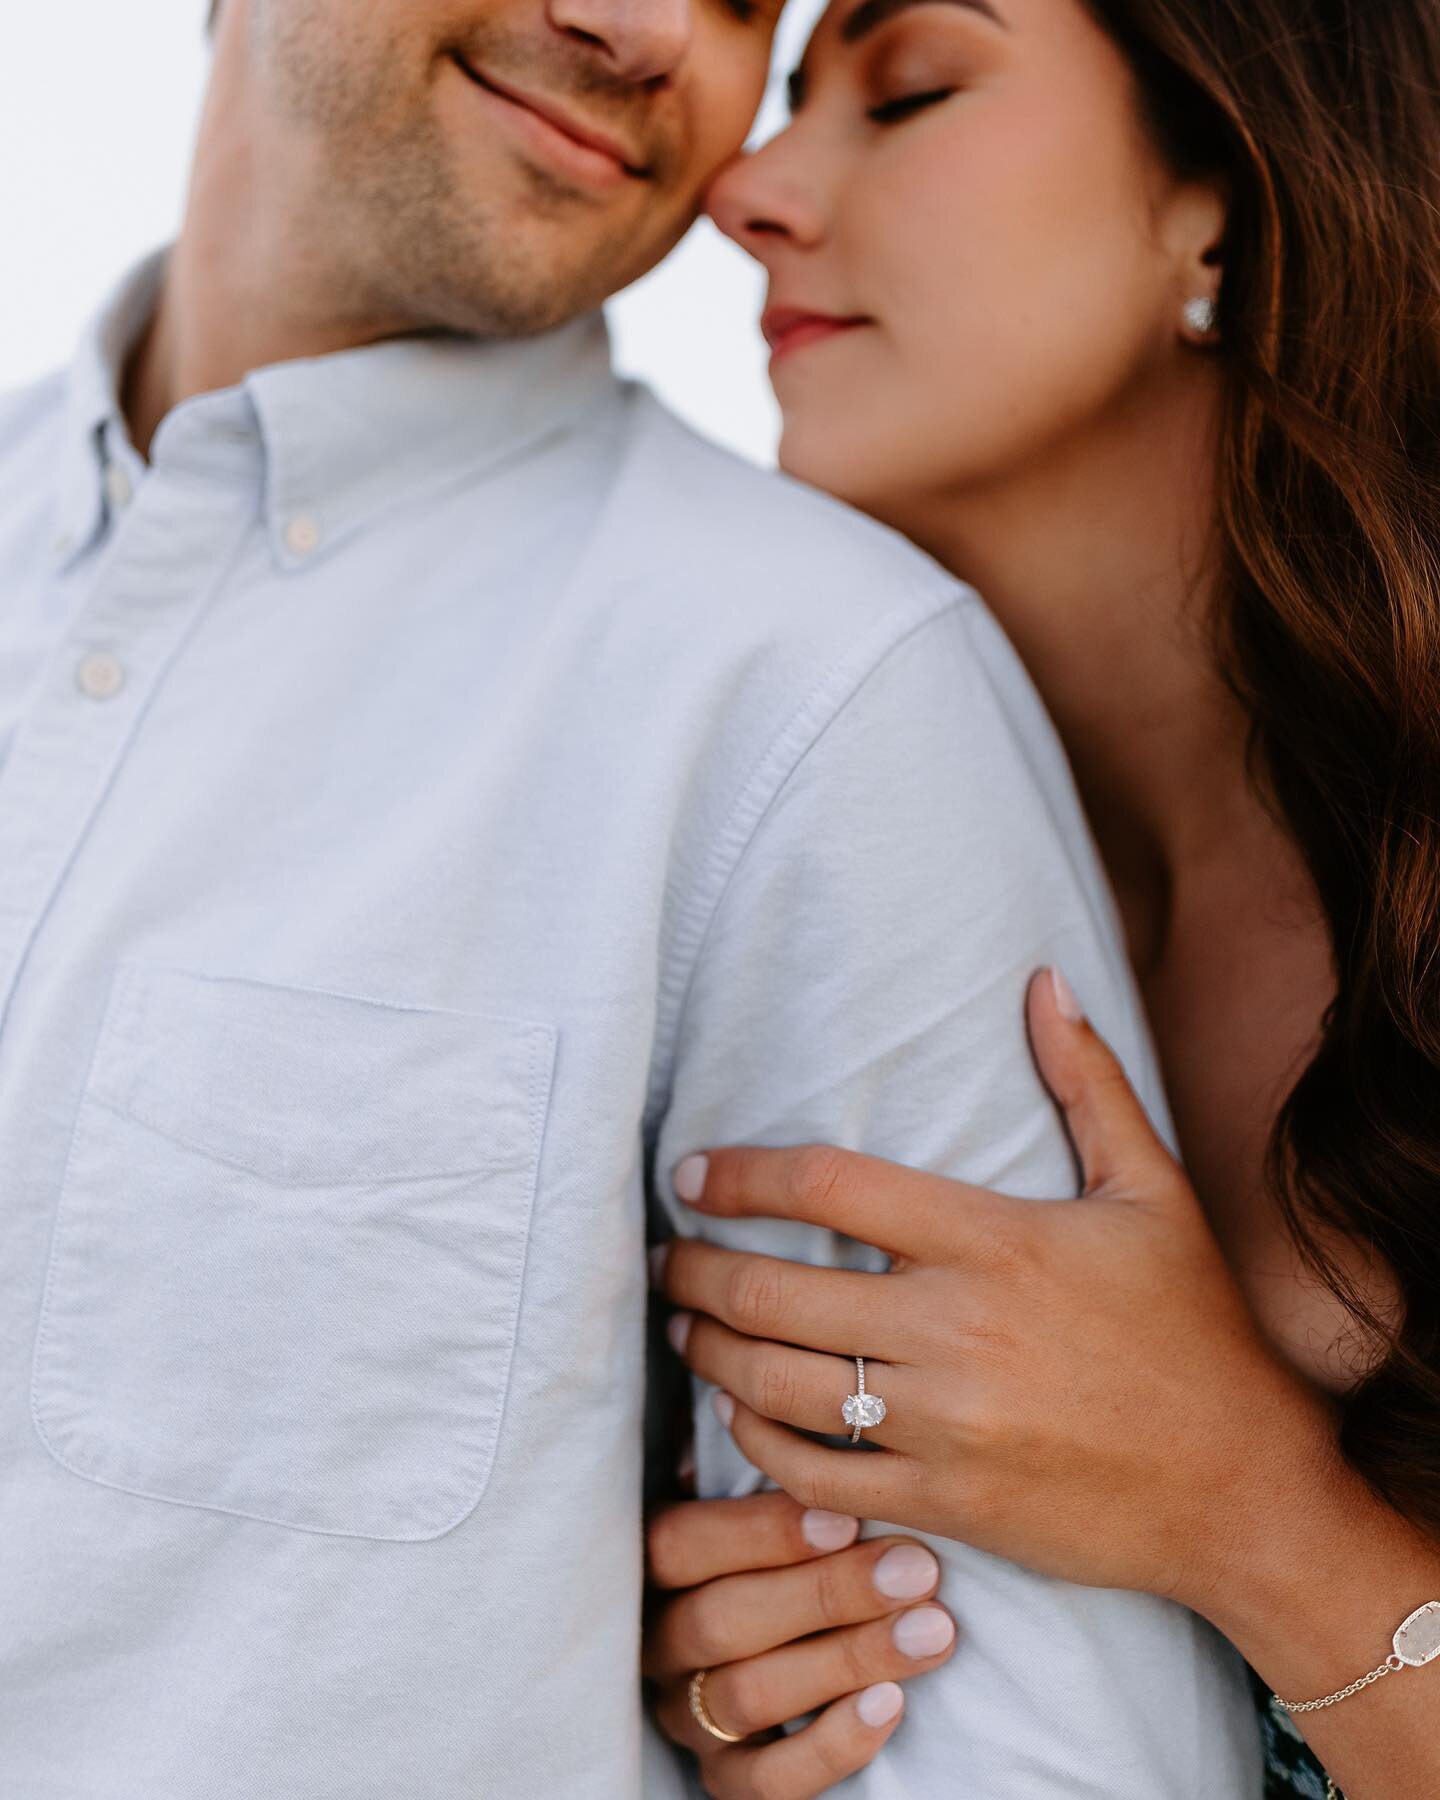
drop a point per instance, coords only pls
(826, 459)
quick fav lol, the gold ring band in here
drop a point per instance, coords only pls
(701, 1712)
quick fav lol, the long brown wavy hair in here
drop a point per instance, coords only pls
(1323, 119)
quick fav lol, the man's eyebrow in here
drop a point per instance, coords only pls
(869, 16)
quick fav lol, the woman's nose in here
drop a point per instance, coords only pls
(761, 205)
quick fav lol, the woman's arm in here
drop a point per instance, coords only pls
(789, 1615)
(1079, 1388)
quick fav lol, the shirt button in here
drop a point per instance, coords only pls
(302, 535)
(118, 490)
(100, 675)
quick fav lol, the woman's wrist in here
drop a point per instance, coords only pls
(1320, 1570)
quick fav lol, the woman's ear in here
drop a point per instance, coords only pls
(1196, 222)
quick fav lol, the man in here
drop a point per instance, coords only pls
(437, 791)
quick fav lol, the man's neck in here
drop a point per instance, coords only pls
(211, 326)
(248, 282)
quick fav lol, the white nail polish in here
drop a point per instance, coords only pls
(690, 1178)
(724, 1409)
(878, 1705)
(823, 1530)
(923, 1631)
(906, 1572)
(1066, 1004)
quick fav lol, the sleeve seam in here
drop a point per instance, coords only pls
(824, 704)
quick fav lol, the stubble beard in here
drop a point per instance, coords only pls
(389, 226)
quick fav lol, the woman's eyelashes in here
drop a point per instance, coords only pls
(905, 106)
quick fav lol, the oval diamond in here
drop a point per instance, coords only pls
(1417, 1642)
(863, 1410)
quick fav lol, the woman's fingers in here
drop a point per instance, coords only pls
(903, 1211)
(746, 1615)
(844, 1739)
(803, 1388)
(874, 1485)
(764, 1691)
(693, 1542)
(839, 1310)
(752, 1697)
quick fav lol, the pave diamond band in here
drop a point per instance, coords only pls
(861, 1410)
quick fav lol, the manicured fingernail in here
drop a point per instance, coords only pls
(1066, 1004)
(690, 1178)
(878, 1705)
(906, 1572)
(828, 1530)
(659, 1256)
(677, 1329)
(923, 1631)
(724, 1408)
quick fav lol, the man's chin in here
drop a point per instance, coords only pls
(549, 289)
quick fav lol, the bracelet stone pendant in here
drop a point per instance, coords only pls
(1417, 1642)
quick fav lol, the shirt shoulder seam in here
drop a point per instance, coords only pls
(841, 683)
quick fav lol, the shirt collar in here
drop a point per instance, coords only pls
(92, 408)
(336, 441)
(351, 436)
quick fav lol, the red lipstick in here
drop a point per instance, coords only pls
(790, 328)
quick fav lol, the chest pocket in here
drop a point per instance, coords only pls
(286, 1272)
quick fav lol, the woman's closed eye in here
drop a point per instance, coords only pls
(905, 106)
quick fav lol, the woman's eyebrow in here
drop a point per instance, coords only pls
(869, 16)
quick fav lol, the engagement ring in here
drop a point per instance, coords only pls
(861, 1410)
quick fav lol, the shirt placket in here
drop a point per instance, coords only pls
(177, 532)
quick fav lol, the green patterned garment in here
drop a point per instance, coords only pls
(1291, 1771)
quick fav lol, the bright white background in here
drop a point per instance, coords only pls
(98, 101)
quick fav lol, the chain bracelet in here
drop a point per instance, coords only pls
(1389, 1667)
(1416, 1643)
(1392, 1665)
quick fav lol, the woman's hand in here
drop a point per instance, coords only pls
(789, 1614)
(1077, 1386)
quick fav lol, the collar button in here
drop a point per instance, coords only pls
(302, 535)
(118, 488)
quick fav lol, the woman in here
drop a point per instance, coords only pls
(1127, 311)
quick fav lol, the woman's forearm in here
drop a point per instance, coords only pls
(1317, 1578)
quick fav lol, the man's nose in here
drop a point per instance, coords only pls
(640, 40)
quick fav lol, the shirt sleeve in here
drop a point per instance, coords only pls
(860, 982)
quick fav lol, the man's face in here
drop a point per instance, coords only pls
(493, 165)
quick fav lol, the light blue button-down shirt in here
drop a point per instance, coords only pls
(437, 792)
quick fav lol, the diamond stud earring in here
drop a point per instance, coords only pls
(1201, 314)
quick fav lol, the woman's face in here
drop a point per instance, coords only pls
(975, 250)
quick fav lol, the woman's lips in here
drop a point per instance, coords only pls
(790, 328)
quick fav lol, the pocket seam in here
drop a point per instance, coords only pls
(128, 1110)
(129, 1022)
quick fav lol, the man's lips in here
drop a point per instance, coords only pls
(788, 328)
(594, 143)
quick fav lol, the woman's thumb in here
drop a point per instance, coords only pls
(1113, 1137)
